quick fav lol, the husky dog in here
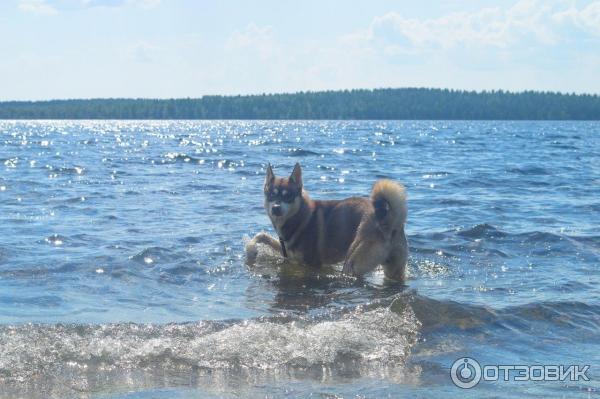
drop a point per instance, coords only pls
(362, 232)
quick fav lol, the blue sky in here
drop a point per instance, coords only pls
(186, 48)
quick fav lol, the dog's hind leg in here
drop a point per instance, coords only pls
(260, 238)
(363, 257)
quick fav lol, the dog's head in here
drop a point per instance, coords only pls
(283, 196)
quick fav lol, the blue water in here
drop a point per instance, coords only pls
(122, 268)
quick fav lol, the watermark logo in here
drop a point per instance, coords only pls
(466, 372)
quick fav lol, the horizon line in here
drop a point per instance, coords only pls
(472, 91)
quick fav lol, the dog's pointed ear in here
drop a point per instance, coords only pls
(296, 176)
(270, 175)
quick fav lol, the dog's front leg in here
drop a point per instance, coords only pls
(363, 257)
(260, 238)
(395, 265)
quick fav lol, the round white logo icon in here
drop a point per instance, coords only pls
(465, 372)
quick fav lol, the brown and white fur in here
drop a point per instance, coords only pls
(362, 232)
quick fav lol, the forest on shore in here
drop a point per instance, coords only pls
(401, 103)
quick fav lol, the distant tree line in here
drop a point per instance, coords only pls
(404, 103)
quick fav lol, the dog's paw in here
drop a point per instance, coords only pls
(348, 268)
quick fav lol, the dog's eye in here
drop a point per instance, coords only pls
(288, 196)
(272, 195)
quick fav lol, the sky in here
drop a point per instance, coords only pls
(57, 49)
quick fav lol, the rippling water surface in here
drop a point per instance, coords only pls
(122, 269)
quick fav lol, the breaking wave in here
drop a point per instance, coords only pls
(366, 340)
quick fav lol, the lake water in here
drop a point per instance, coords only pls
(122, 270)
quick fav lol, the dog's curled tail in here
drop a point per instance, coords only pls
(389, 200)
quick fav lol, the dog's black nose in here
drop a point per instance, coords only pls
(276, 210)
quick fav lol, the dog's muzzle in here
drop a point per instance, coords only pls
(276, 210)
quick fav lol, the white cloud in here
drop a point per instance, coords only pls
(495, 27)
(119, 3)
(587, 18)
(50, 7)
(253, 38)
(37, 7)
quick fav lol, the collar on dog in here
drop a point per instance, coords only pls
(283, 251)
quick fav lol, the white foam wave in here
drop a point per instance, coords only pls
(360, 342)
